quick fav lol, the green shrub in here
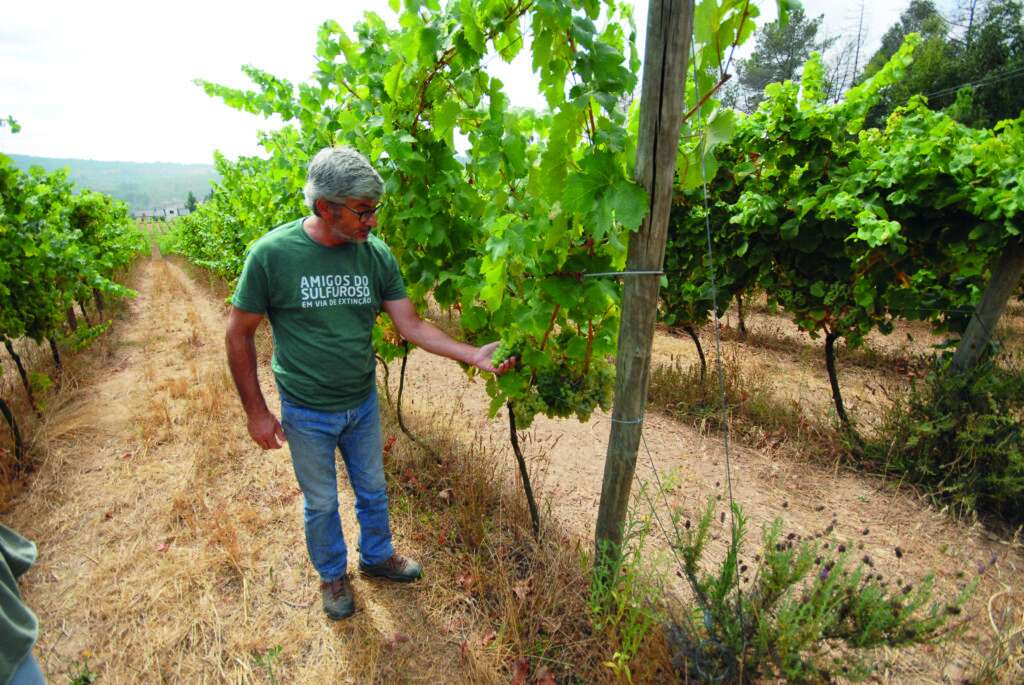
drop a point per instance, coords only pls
(961, 437)
(799, 611)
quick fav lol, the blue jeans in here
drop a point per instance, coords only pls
(28, 673)
(313, 436)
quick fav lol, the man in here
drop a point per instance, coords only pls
(18, 624)
(321, 281)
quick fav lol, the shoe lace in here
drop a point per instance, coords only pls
(338, 587)
(396, 563)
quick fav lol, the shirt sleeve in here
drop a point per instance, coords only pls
(252, 293)
(393, 287)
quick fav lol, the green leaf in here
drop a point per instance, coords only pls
(629, 202)
(444, 117)
(392, 80)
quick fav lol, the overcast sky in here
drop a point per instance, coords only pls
(112, 80)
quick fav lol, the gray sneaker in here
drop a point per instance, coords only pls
(337, 599)
(398, 568)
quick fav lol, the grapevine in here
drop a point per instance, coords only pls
(846, 228)
(57, 249)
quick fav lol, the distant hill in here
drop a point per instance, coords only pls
(143, 185)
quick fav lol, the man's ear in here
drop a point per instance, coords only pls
(323, 207)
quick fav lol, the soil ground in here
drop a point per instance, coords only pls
(172, 547)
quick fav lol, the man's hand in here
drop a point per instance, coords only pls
(266, 430)
(482, 359)
(432, 339)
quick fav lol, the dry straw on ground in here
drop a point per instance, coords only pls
(172, 548)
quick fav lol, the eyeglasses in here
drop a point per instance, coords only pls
(365, 215)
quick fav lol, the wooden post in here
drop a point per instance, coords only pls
(669, 29)
(1002, 284)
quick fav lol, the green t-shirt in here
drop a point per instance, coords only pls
(18, 625)
(322, 303)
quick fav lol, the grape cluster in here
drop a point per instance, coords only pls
(506, 349)
(561, 392)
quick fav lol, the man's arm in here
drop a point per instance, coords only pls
(431, 338)
(240, 339)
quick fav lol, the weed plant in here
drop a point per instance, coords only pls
(961, 437)
(625, 600)
(801, 610)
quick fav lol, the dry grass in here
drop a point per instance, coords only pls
(172, 548)
(756, 415)
(776, 333)
(533, 594)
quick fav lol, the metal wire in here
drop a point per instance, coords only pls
(638, 272)
(718, 338)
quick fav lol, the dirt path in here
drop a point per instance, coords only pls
(171, 548)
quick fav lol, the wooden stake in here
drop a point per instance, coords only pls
(669, 29)
(1006, 277)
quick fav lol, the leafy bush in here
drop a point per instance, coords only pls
(962, 437)
(798, 611)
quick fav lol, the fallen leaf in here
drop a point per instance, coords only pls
(544, 677)
(488, 638)
(389, 443)
(163, 547)
(397, 639)
(466, 581)
(550, 625)
(441, 539)
(464, 651)
(108, 515)
(520, 671)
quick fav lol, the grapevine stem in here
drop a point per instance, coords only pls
(742, 326)
(707, 96)
(24, 376)
(19, 446)
(530, 501)
(590, 346)
(833, 379)
(455, 91)
(398, 408)
(544, 341)
(387, 379)
(85, 314)
(515, 12)
(590, 107)
(551, 326)
(349, 88)
(56, 353)
(700, 351)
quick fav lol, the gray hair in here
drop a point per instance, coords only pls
(338, 173)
